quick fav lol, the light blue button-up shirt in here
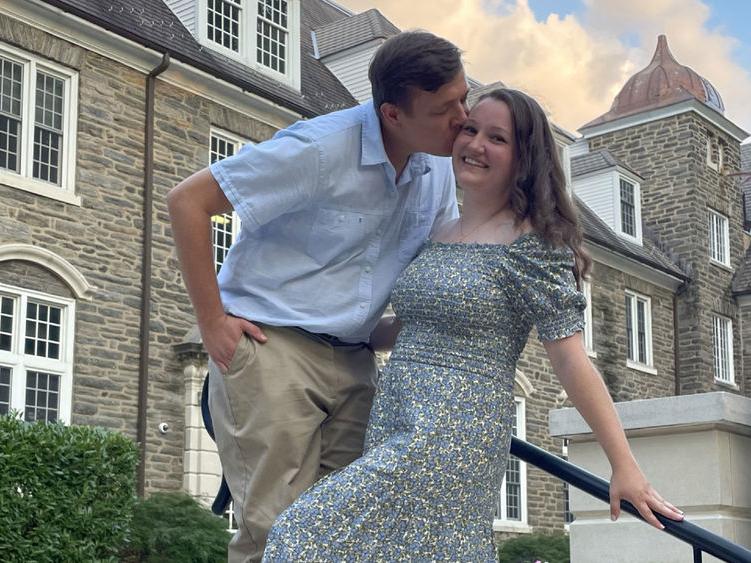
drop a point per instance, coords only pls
(326, 227)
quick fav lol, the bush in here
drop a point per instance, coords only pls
(66, 492)
(173, 527)
(536, 547)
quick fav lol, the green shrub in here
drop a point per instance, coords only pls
(66, 492)
(173, 527)
(536, 547)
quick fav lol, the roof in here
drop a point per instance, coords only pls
(651, 253)
(152, 24)
(346, 33)
(661, 83)
(596, 161)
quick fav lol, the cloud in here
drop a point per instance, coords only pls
(575, 65)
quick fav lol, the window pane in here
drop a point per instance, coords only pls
(4, 390)
(6, 323)
(222, 225)
(272, 34)
(47, 155)
(42, 397)
(642, 330)
(629, 328)
(43, 330)
(628, 208)
(11, 86)
(509, 501)
(223, 23)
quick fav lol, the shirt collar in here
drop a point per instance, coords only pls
(373, 151)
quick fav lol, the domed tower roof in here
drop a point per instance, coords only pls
(663, 82)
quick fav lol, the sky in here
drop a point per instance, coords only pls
(574, 56)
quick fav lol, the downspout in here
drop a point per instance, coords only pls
(148, 210)
(676, 338)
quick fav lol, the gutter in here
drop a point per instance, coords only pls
(146, 271)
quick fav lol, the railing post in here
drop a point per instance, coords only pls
(697, 555)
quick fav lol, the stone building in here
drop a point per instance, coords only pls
(104, 106)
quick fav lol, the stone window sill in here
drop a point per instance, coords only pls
(513, 527)
(641, 367)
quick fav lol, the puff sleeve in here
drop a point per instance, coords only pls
(546, 290)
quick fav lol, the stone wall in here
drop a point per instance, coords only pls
(103, 239)
(670, 154)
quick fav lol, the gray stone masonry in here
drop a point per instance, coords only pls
(103, 240)
(677, 192)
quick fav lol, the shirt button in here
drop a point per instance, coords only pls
(362, 305)
(367, 269)
(341, 218)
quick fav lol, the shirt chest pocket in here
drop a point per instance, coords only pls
(414, 232)
(336, 235)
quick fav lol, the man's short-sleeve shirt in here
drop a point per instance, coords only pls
(326, 227)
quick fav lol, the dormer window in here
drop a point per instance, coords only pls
(628, 208)
(264, 34)
(628, 211)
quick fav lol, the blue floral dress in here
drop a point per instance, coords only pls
(440, 427)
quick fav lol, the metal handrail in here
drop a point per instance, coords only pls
(702, 540)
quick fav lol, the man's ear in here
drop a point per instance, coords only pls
(390, 114)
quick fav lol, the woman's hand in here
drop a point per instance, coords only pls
(629, 483)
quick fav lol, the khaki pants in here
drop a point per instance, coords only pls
(286, 412)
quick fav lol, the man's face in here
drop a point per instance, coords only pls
(433, 119)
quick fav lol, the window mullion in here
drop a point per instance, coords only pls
(27, 120)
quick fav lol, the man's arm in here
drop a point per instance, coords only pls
(191, 205)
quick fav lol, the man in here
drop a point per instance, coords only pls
(332, 210)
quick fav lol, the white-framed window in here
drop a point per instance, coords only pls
(229, 517)
(638, 330)
(38, 114)
(511, 503)
(628, 207)
(719, 238)
(588, 337)
(36, 354)
(722, 331)
(264, 34)
(224, 228)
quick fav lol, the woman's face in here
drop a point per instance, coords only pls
(484, 152)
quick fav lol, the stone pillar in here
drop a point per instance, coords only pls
(202, 473)
(694, 449)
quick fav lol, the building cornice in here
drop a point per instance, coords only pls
(692, 105)
(608, 257)
(78, 31)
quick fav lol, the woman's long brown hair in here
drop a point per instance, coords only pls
(538, 188)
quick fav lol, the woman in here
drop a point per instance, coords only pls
(440, 427)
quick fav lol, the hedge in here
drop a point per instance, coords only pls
(173, 527)
(66, 492)
(545, 548)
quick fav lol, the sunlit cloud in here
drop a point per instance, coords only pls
(576, 64)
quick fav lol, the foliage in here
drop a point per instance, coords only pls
(535, 547)
(173, 527)
(66, 492)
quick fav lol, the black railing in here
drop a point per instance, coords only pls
(700, 539)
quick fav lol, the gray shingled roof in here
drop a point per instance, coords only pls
(151, 23)
(596, 231)
(596, 161)
(350, 32)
